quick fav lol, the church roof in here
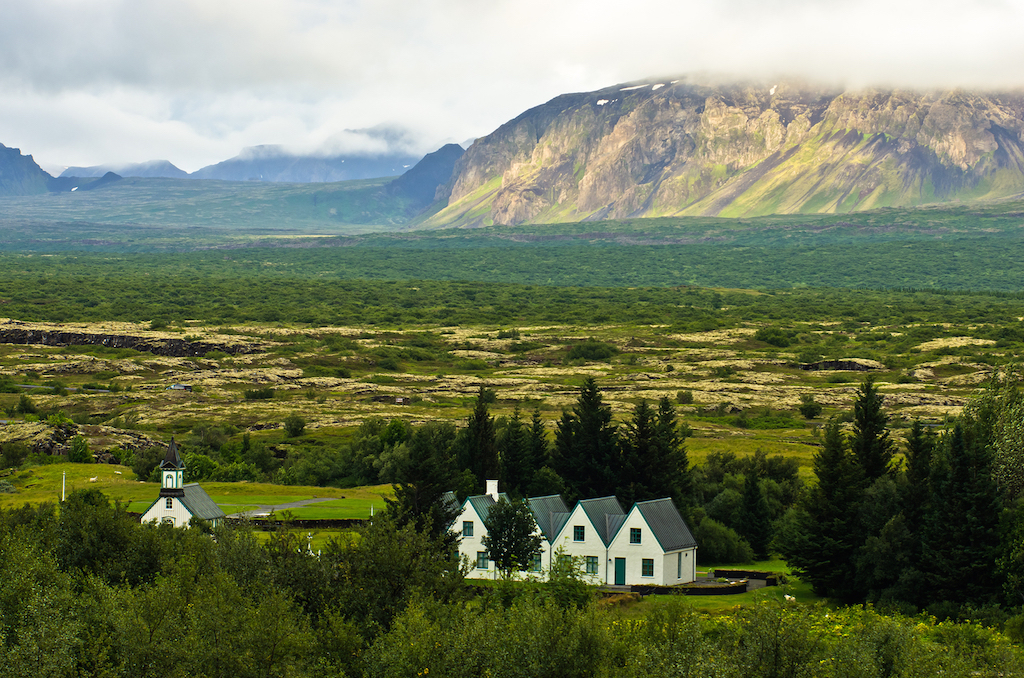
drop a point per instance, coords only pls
(172, 460)
(199, 503)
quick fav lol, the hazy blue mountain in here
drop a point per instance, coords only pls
(275, 163)
(19, 174)
(421, 183)
(153, 168)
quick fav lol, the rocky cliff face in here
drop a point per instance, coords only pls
(676, 147)
(19, 174)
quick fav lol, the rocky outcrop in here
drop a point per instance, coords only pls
(679, 147)
(178, 348)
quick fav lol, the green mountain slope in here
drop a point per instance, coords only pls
(674, 147)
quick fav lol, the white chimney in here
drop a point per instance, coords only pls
(492, 489)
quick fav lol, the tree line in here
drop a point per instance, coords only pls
(940, 530)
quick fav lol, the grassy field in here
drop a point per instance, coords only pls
(37, 484)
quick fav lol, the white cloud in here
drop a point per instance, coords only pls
(193, 81)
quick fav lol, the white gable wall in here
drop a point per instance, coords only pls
(591, 545)
(667, 565)
(470, 546)
(178, 515)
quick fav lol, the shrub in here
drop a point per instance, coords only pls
(720, 544)
(294, 425)
(79, 451)
(508, 334)
(591, 349)
(774, 336)
(6, 487)
(261, 393)
(25, 405)
(808, 407)
(685, 397)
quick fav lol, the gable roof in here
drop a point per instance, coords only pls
(546, 511)
(668, 526)
(199, 503)
(605, 513)
(172, 460)
(482, 503)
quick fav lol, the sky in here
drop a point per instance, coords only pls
(194, 81)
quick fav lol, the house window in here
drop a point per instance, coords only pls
(679, 565)
(481, 560)
(169, 504)
(591, 564)
(647, 567)
(467, 528)
(535, 564)
(579, 533)
(634, 535)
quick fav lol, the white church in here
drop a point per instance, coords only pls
(178, 503)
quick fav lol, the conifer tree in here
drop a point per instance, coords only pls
(516, 456)
(428, 475)
(586, 446)
(961, 541)
(755, 520)
(672, 465)
(823, 547)
(870, 443)
(478, 446)
(638, 461)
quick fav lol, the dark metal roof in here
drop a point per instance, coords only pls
(172, 460)
(199, 503)
(451, 503)
(544, 511)
(599, 511)
(668, 526)
(483, 503)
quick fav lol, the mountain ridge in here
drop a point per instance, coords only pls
(676, 147)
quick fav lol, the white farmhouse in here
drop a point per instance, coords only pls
(653, 545)
(649, 545)
(178, 503)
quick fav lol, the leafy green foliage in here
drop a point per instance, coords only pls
(512, 540)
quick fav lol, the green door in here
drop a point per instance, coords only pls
(620, 571)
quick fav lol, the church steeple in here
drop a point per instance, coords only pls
(172, 472)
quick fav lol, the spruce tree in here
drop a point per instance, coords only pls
(638, 461)
(586, 446)
(755, 519)
(672, 476)
(430, 473)
(961, 541)
(823, 547)
(478, 446)
(515, 455)
(870, 443)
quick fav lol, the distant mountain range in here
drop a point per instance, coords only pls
(153, 168)
(268, 163)
(673, 147)
(275, 163)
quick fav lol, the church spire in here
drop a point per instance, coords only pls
(172, 472)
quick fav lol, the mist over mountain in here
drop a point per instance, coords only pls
(680, 147)
(275, 163)
(152, 168)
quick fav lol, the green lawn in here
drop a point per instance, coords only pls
(38, 484)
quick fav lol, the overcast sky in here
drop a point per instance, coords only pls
(194, 81)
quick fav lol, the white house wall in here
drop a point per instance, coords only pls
(666, 564)
(470, 546)
(591, 545)
(158, 512)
